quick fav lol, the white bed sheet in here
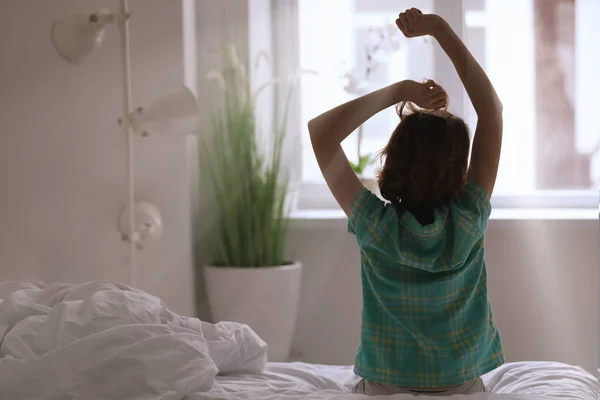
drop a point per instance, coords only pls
(513, 381)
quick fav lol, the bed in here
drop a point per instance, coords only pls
(105, 340)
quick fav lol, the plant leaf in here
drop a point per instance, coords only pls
(246, 183)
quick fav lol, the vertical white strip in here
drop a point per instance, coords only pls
(510, 53)
(127, 106)
(190, 78)
(190, 57)
(286, 43)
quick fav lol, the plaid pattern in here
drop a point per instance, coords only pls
(426, 320)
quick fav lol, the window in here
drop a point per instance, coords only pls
(540, 54)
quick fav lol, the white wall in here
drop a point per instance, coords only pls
(62, 156)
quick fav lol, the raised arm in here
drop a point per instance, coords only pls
(328, 130)
(488, 133)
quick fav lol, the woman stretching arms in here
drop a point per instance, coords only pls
(427, 325)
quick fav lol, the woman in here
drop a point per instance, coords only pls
(427, 326)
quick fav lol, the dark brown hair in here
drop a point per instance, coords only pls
(424, 164)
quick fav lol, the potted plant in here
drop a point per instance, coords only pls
(249, 279)
(380, 41)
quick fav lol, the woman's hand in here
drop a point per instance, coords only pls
(413, 23)
(428, 95)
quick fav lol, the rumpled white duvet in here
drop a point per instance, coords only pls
(105, 340)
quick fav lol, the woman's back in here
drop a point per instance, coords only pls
(426, 320)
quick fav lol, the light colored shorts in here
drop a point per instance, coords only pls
(371, 388)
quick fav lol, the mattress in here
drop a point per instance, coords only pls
(514, 381)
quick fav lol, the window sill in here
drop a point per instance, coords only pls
(336, 219)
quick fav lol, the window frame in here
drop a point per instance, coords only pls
(316, 196)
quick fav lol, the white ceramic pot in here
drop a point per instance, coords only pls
(265, 298)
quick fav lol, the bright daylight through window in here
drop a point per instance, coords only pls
(541, 56)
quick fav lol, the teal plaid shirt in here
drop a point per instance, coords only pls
(426, 319)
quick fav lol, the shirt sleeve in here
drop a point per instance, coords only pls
(474, 205)
(366, 209)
